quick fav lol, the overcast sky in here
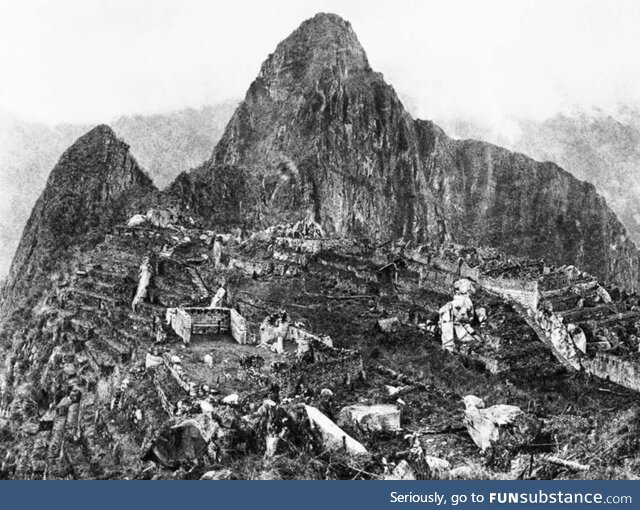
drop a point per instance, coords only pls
(92, 60)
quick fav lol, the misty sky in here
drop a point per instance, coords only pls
(92, 60)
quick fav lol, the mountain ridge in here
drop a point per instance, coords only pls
(322, 136)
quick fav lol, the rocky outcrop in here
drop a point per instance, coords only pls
(321, 136)
(95, 184)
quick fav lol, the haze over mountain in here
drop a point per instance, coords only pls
(163, 144)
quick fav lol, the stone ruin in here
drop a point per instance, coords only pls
(457, 316)
(321, 366)
(199, 321)
(277, 328)
(569, 310)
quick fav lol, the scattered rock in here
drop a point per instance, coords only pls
(219, 299)
(403, 471)
(468, 472)
(439, 468)
(603, 295)
(151, 360)
(389, 325)
(578, 337)
(392, 390)
(208, 360)
(483, 424)
(381, 417)
(464, 286)
(206, 407)
(221, 474)
(274, 326)
(177, 444)
(232, 399)
(136, 220)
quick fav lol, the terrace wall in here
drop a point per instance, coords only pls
(615, 369)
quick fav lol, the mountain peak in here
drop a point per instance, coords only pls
(95, 185)
(323, 44)
(97, 137)
(326, 21)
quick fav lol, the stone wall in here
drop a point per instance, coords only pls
(523, 291)
(238, 327)
(178, 374)
(206, 321)
(436, 280)
(304, 339)
(180, 321)
(621, 371)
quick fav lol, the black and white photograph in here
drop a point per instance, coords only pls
(319, 240)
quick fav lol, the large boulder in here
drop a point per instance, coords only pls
(178, 443)
(333, 437)
(483, 424)
(380, 417)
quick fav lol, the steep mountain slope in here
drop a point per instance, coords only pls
(95, 184)
(163, 144)
(321, 136)
(600, 148)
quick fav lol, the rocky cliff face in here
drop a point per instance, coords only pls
(320, 135)
(593, 146)
(95, 184)
(506, 200)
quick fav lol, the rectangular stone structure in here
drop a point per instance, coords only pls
(207, 321)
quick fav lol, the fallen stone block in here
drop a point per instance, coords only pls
(136, 220)
(389, 325)
(152, 360)
(403, 471)
(206, 407)
(221, 474)
(381, 417)
(483, 424)
(232, 399)
(177, 444)
(578, 337)
(438, 468)
(604, 296)
(334, 438)
(464, 286)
